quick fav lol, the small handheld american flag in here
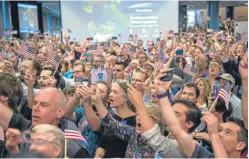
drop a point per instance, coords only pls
(189, 70)
(27, 51)
(53, 58)
(158, 65)
(243, 39)
(74, 135)
(129, 49)
(1, 134)
(224, 93)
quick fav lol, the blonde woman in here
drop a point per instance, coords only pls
(205, 90)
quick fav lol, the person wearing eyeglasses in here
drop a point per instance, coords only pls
(98, 73)
(45, 139)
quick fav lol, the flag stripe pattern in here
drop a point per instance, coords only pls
(189, 70)
(53, 58)
(1, 134)
(74, 135)
(158, 65)
(95, 73)
(224, 94)
(243, 39)
(130, 50)
(24, 50)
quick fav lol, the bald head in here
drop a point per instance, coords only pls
(56, 94)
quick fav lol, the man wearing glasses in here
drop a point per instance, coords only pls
(98, 73)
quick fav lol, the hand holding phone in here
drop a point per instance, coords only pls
(169, 75)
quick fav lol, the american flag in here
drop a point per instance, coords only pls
(158, 65)
(53, 58)
(85, 123)
(189, 70)
(27, 51)
(130, 49)
(74, 135)
(224, 93)
(243, 39)
(1, 134)
(95, 73)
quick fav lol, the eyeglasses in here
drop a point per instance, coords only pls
(97, 61)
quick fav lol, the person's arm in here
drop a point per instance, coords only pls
(212, 126)
(92, 118)
(13, 139)
(100, 152)
(5, 116)
(185, 141)
(30, 80)
(71, 104)
(136, 99)
(122, 131)
(243, 69)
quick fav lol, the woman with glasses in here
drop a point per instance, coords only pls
(44, 139)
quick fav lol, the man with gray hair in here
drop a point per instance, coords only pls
(48, 108)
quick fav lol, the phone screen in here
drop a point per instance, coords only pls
(179, 52)
(93, 47)
(169, 76)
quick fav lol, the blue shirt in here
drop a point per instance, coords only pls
(91, 137)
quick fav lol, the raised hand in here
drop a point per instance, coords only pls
(134, 96)
(29, 78)
(13, 139)
(212, 123)
(95, 93)
(162, 87)
(108, 67)
(82, 92)
(147, 85)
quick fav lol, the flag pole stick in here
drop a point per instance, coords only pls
(57, 67)
(214, 103)
(65, 148)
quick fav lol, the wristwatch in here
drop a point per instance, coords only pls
(159, 96)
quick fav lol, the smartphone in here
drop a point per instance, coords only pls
(209, 52)
(85, 82)
(101, 76)
(169, 76)
(93, 47)
(215, 91)
(87, 54)
(78, 81)
(114, 38)
(179, 52)
(91, 38)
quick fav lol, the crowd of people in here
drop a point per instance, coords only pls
(184, 95)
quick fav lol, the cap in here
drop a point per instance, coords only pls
(151, 64)
(227, 77)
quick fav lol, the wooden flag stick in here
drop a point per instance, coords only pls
(65, 149)
(213, 104)
(57, 67)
